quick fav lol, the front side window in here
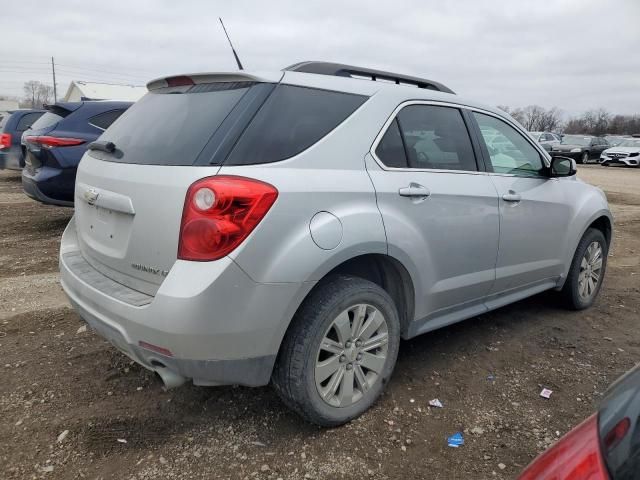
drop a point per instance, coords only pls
(509, 151)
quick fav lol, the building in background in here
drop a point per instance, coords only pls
(79, 90)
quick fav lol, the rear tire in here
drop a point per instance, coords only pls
(339, 351)
(587, 271)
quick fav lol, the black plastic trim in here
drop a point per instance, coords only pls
(351, 71)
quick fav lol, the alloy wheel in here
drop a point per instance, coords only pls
(352, 355)
(590, 271)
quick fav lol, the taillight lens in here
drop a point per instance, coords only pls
(5, 140)
(219, 213)
(50, 142)
(576, 456)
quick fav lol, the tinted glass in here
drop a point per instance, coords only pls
(27, 120)
(576, 140)
(172, 128)
(390, 150)
(104, 120)
(508, 150)
(436, 138)
(290, 121)
(49, 119)
(3, 121)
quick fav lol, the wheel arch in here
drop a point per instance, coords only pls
(382, 269)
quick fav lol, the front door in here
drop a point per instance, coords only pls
(440, 213)
(534, 212)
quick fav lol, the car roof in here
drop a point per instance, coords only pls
(402, 91)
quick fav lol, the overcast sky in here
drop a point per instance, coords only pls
(574, 54)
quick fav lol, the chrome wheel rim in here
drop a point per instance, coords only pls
(352, 355)
(590, 271)
(585, 157)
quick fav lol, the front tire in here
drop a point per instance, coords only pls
(587, 271)
(339, 351)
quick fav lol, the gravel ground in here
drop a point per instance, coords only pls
(73, 407)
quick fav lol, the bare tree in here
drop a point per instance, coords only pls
(37, 93)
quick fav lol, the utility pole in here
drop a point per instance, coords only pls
(55, 90)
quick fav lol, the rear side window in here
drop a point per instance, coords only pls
(172, 128)
(27, 120)
(291, 120)
(104, 120)
(434, 137)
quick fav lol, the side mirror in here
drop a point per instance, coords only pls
(563, 167)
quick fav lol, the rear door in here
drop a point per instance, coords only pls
(534, 211)
(129, 202)
(440, 212)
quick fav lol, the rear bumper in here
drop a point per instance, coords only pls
(211, 322)
(49, 185)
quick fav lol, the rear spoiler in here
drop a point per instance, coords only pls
(196, 78)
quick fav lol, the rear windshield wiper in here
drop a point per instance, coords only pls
(103, 146)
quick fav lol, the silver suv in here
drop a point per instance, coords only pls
(290, 228)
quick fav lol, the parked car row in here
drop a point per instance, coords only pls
(47, 144)
(606, 150)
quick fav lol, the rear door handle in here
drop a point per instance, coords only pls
(414, 190)
(511, 197)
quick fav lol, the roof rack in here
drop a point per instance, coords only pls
(340, 70)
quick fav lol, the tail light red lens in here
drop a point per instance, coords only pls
(50, 142)
(616, 434)
(219, 213)
(5, 140)
(576, 456)
(179, 81)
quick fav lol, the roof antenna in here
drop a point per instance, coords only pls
(231, 44)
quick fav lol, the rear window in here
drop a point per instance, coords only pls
(3, 121)
(47, 120)
(172, 128)
(290, 121)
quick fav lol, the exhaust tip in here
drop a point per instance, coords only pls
(168, 377)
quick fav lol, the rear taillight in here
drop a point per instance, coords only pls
(616, 434)
(576, 456)
(219, 213)
(5, 140)
(50, 142)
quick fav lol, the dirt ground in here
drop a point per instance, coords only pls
(487, 371)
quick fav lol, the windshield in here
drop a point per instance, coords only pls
(576, 140)
(629, 143)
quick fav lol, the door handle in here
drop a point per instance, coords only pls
(511, 197)
(414, 190)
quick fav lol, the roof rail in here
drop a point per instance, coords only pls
(340, 70)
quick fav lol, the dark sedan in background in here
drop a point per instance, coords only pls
(56, 142)
(606, 446)
(11, 128)
(582, 148)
